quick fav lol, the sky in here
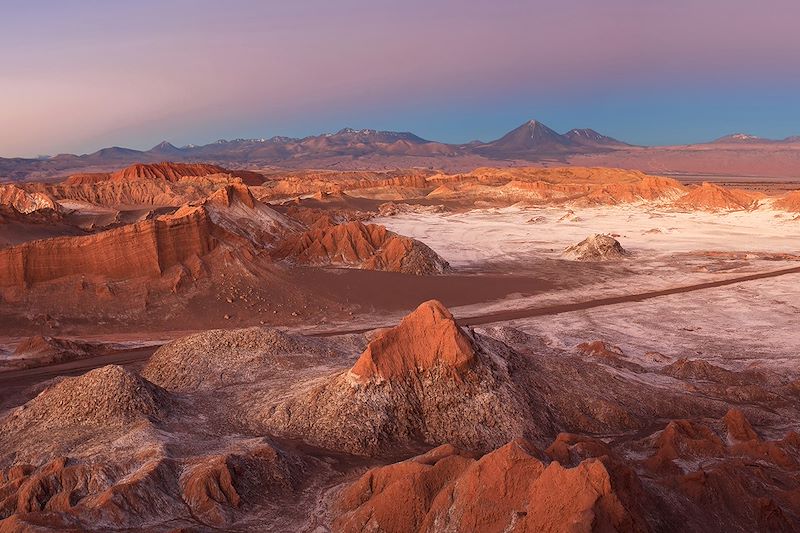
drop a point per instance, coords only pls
(85, 74)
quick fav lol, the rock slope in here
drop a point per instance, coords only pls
(422, 381)
(709, 196)
(358, 245)
(150, 247)
(514, 488)
(494, 430)
(166, 171)
(26, 202)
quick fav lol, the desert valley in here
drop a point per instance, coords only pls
(450, 266)
(189, 346)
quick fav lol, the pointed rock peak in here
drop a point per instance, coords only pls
(739, 428)
(532, 135)
(429, 338)
(232, 193)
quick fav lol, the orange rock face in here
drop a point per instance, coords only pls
(161, 184)
(510, 489)
(143, 249)
(365, 246)
(789, 202)
(648, 188)
(710, 196)
(147, 248)
(580, 186)
(427, 338)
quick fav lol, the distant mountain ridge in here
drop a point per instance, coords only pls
(746, 138)
(351, 148)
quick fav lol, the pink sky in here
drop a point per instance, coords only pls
(77, 76)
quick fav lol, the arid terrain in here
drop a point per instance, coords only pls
(541, 333)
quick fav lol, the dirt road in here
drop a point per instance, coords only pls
(11, 383)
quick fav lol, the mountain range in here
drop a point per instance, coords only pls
(367, 148)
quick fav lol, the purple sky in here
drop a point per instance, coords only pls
(76, 76)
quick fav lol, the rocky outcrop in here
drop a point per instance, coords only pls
(421, 381)
(142, 192)
(43, 350)
(358, 245)
(218, 358)
(573, 186)
(245, 430)
(147, 249)
(789, 202)
(151, 185)
(709, 196)
(147, 492)
(696, 481)
(695, 369)
(646, 189)
(106, 396)
(44, 216)
(26, 202)
(514, 488)
(165, 171)
(728, 467)
(143, 249)
(427, 339)
(598, 247)
(215, 487)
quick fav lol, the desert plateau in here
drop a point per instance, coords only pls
(186, 347)
(450, 319)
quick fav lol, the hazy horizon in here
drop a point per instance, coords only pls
(81, 76)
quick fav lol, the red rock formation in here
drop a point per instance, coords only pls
(419, 382)
(147, 248)
(365, 246)
(600, 349)
(144, 249)
(648, 188)
(142, 192)
(163, 171)
(510, 489)
(215, 486)
(24, 201)
(427, 338)
(742, 481)
(712, 197)
(789, 202)
(683, 439)
(579, 186)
